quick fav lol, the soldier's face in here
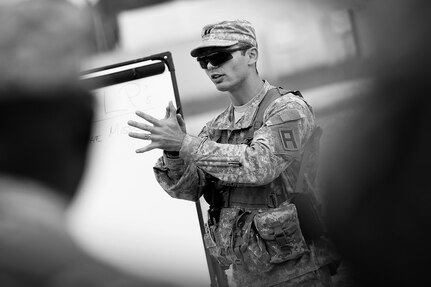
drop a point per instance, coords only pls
(231, 74)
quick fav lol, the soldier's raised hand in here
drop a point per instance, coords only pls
(167, 133)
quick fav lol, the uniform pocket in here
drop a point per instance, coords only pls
(248, 247)
(215, 251)
(279, 227)
(218, 237)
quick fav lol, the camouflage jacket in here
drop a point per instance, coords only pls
(275, 151)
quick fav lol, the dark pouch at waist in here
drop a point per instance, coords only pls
(279, 227)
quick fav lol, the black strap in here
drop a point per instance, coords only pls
(270, 96)
(296, 93)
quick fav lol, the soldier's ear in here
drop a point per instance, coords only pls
(253, 55)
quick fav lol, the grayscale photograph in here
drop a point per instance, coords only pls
(214, 143)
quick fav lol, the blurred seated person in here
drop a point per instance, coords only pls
(376, 191)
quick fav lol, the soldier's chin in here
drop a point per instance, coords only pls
(221, 87)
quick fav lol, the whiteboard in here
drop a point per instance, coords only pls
(122, 215)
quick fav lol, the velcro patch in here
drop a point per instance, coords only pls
(284, 116)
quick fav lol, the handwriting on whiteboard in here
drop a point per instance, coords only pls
(115, 129)
(119, 100)
(116, 104)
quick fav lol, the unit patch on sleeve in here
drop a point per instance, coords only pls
(289, 139)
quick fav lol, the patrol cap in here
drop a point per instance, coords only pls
(226, 34)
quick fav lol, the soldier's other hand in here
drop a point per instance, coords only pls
(167, 133)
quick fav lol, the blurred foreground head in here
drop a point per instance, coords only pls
(45, 116)
(377, 182)
(43, 42)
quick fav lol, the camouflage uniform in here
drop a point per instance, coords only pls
(273, 158)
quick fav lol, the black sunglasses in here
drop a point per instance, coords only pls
(217, 58)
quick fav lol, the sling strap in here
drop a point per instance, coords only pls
(271, 96)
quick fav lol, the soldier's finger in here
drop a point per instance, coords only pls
(145, 148)
(141, 136)
(147, 117)
(167, 112)
(172, 109)
(141, 126)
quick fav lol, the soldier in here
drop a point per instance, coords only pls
(254, 164)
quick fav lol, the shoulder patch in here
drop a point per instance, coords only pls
(285, 138)
(289, 139)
